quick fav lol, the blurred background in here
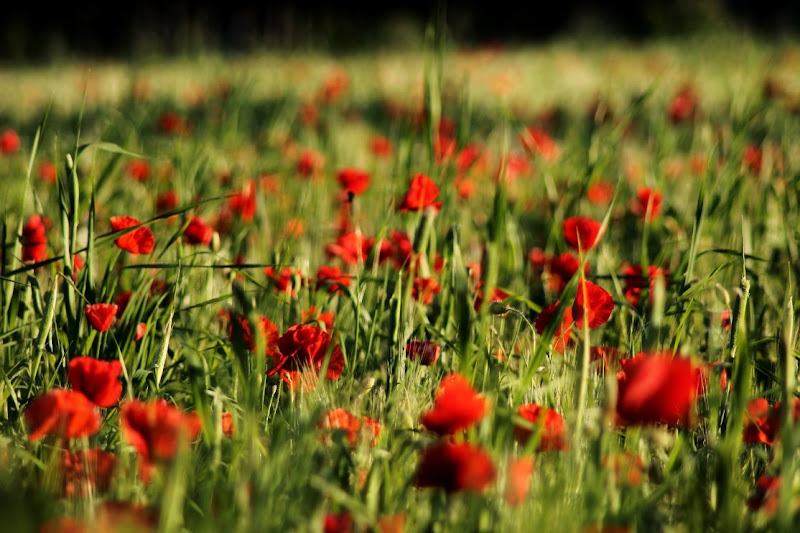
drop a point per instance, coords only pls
(91, 29)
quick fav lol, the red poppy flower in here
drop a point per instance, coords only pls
(582, 233)
(498, 295)
(658, 388)
(155, 428)
(752, 158)
(138, 241)
(139, 169)
(310, 163)
(166, 201)
(305, 347)
(561, 334)
(444, 148)
(313, 314)
(457, 406)
(762, 422)
(595, 302)
(425, 353)
(101, 316)
(244, 203)
(9, 142)
(551, 434)
(766, 495)
(422, 193)
(684, 105)
(455, 468)
(468, 156)
(646, 198)
(339, 523)
(353, 427)
(600, 193)
(62, 413)
(87, 471)
(227, 424)
(198, 232)
(350, 247)
(34, 239)
(381, 146)
(284, 280)
(239, 331)
(635, 282)
(333, 279)
(398, 248)
(537, 142)
(424, 289)
(518, 480)
(171, 123)
(560, 269)
(48, 172)
(353, 180)
(122, 300)
(97, 380)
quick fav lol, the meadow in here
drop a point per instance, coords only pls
(446, 288)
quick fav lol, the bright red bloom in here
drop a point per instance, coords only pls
(444, 148)
(155, 428)
(518, 480)
(350, 247)
(424, 289)
(198, 232)
(582, 233)
(139, 241)
(684, 105)
(48, 172)
(313, 314)
(457, 406)
(96, 379)
(658, 388)
(353, 427)
(239, 331)
(762, 422)
(305, 347)
(600, 193)
(9, 142)
(285, 279)
(34, 239)
(227, 424)
(560, 269)
(139, 169)
(562, 332)
(537, 142)
(425, 353)
(339, 523)
(333, 279)
(244, 203)
(381, 146)
(101, 316)
(455, 468)
(551, 435)
(87, 471)
(593, 300)
(122, 300)
(646, 198)
(62, 413)
(498, 295)
(398, 248)
(635, 282)
(752, 158)
(141, 329)
(422, 193)
(353, 180)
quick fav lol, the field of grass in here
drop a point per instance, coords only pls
(295, 253)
